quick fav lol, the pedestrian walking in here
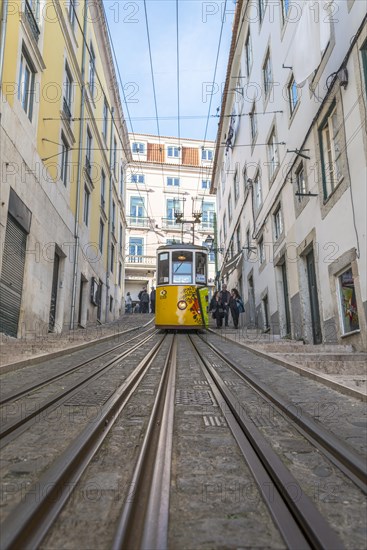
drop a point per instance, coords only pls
(217, 309)
(225, 297)
(128, 303)
(236, 306)
(152, 300)
(143, 301)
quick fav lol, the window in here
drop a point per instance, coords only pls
(88, 155)
(238, 239)
(173, 182)
(278, 223)
(301, 180)
(121, 182)
(137, 178)
(101, 235)
(120, 238)
(64, 160)
(207, 154)
(364, 63)
(86, 205)
(258, 191)
(285, 9)
(292, 95)
(248, 54)
(111, 304)
(92, 70)
(347, 302)
(71, 11)
(172, 206)
(225, 226)
(32, 15)
(253, 123)
(138, 147)
(229, 208)
(114, 157)
(103, 188)
(205, 184)
(120, 273)
(207, 219)
(112, 257)
(105, 119)
(236, 185)
(267, 75)
(329, 133)
(182, 267)
(265, 304)
(173, 152)
(137, 207)
(68, 93)
(163, 268)
(248, 242)
(262, 8)
(136, 245)
(261, 251)
(273, 157)
(113, 221)
(200, 268)
(26, 87)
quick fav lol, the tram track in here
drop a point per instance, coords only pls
(168, 452)
(347, 460)
(13, 428)
(28, 523)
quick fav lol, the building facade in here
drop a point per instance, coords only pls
(64, 148)
(290, 168)
(167, 201)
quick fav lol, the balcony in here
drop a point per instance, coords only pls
(31, 20)
(138, 221)
(170, 223)
(140, 261)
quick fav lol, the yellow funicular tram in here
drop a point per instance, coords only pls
(182, 291)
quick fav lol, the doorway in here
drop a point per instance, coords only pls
(314, 300)
(286, 299)
(55, 284)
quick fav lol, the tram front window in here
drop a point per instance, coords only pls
(200, 276)
(182, 267)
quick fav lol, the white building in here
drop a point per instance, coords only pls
(290, 168)
(167, 189)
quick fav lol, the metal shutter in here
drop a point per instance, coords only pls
(11, 282)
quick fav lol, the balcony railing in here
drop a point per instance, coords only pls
(32, 21)
(66, 109)
(170, 223)
(143, 261)
(138, 221)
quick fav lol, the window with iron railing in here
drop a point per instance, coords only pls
(31, 10)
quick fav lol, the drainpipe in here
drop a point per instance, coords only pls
(109, 220)
(79, 172)
(4, 17)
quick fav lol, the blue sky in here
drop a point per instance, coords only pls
(199, 26)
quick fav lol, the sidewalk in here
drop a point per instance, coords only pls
(18, 352)
(337, 366)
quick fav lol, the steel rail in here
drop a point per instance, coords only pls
(347, 460)
(299, 521)
(143, 522)
(28, 523)
(21, 423)
(12, 396)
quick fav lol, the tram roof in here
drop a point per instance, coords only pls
(182, 246)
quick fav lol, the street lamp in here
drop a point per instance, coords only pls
(210, 242)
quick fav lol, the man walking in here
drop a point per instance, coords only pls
(226, 296)
(144, 301)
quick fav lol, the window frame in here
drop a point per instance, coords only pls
(273, 154)
(326, 133)
(267, 74)
(278, 222)
(292, 102)
(65, 148)
(86, 204)
(135, 148)
(173, 181)
(101, 235)
(205, 154)
(171, 152)
(26, 96)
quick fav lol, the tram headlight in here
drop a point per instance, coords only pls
(182, 304)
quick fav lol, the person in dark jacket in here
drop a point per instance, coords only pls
(225, 297)
(236, 306)
(217, 308)
(144, 301)
(152, 300)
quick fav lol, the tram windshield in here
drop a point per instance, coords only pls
(163, 268)
(182, 267)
